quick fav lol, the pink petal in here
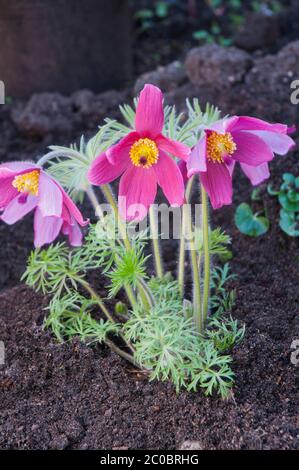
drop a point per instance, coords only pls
(74, 233)
(7, 191)
(182, 166)
(218, 184)
(149, 119)
(49, 196)
(119, 153)
(103, 172)
(197, 159)
(175, 148)
(256, 174)
(278, 143)
(46, 229)
(230, 164)
(137, 191)
(73, 210)
(291, 129)
(16, 210)
(246, 123)
(251, 149)
(18, 167)
(170, 179)
(8, 171)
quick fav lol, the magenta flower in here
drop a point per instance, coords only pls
(250, 141)
(24, 187)
(143, 160)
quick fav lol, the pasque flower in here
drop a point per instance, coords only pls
(143, 160)
(249, 141)
(25, 187)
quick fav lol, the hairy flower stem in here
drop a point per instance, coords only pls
(146, 294)
(155, 241)
(107, 191)
(94, 201)
(181, 271)
(206, 250)
(195, 271)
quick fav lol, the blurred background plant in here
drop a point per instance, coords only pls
(190, 23)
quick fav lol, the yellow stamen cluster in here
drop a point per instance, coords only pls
(27, 183)
(144, 153)
(220, 146)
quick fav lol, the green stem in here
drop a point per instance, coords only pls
(195, 271)
(94, 201)
(146, 295)
(94, 295)
(111, 199)
(155, 241)
(122, 353)
(206, 249)
(107, 191)
(181, 271)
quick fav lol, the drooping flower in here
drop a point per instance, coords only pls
(25, 187)
(249, 141)
(143, 160)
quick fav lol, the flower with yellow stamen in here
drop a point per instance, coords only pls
(144, 153)
(220, 146)
(27, 183)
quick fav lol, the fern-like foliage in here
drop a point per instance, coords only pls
(70, 317)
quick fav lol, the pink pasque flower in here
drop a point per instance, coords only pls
(24, 187)
(247, 140)
(143, 160)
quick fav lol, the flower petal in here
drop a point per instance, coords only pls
(16, 210)
(7, 191)
(197, 160)
(137, 191)
(18, 167)
(278, 143)
(119, 152)
(182, 166)
(246, 123)
(251, 149)
(73, 210)
(46, 229)
(8, 171)
(50, 196)
(103, 172)
(256, 174)
(74, 233)
(175, 148)
(170, 179)
(149, 119)
(217, 182)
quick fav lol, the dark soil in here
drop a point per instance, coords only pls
(73, 396)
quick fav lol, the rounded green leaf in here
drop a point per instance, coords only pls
(272, 191)
(287, 204)
(293, 196)
(288, 178)
(288, 223)
(249, 223)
